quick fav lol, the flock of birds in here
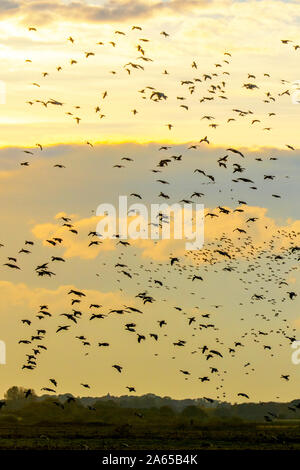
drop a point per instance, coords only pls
(261, 268)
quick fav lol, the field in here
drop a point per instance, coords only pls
(103, 436)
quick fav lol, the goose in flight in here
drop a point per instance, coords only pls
(76, 292)
(46, 389)
(62, 328)
(243, 395)
(236, 151)
(184, 372)
(12, 266)
(223, 253)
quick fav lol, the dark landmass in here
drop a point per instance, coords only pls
(144, 422)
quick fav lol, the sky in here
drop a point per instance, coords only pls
(214, 48)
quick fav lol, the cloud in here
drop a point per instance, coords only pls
(260, 235)
(5, 175)
(43, 12)
(74, 245)
(21, 296)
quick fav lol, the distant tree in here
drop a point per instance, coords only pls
(166, 411)
(224, 411)
(16, 398)
(17, 393)
(193, 411)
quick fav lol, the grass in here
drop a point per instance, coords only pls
(147, 436)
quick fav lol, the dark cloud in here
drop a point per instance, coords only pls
(7, 5)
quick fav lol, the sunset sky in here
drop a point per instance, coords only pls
(233, 39)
